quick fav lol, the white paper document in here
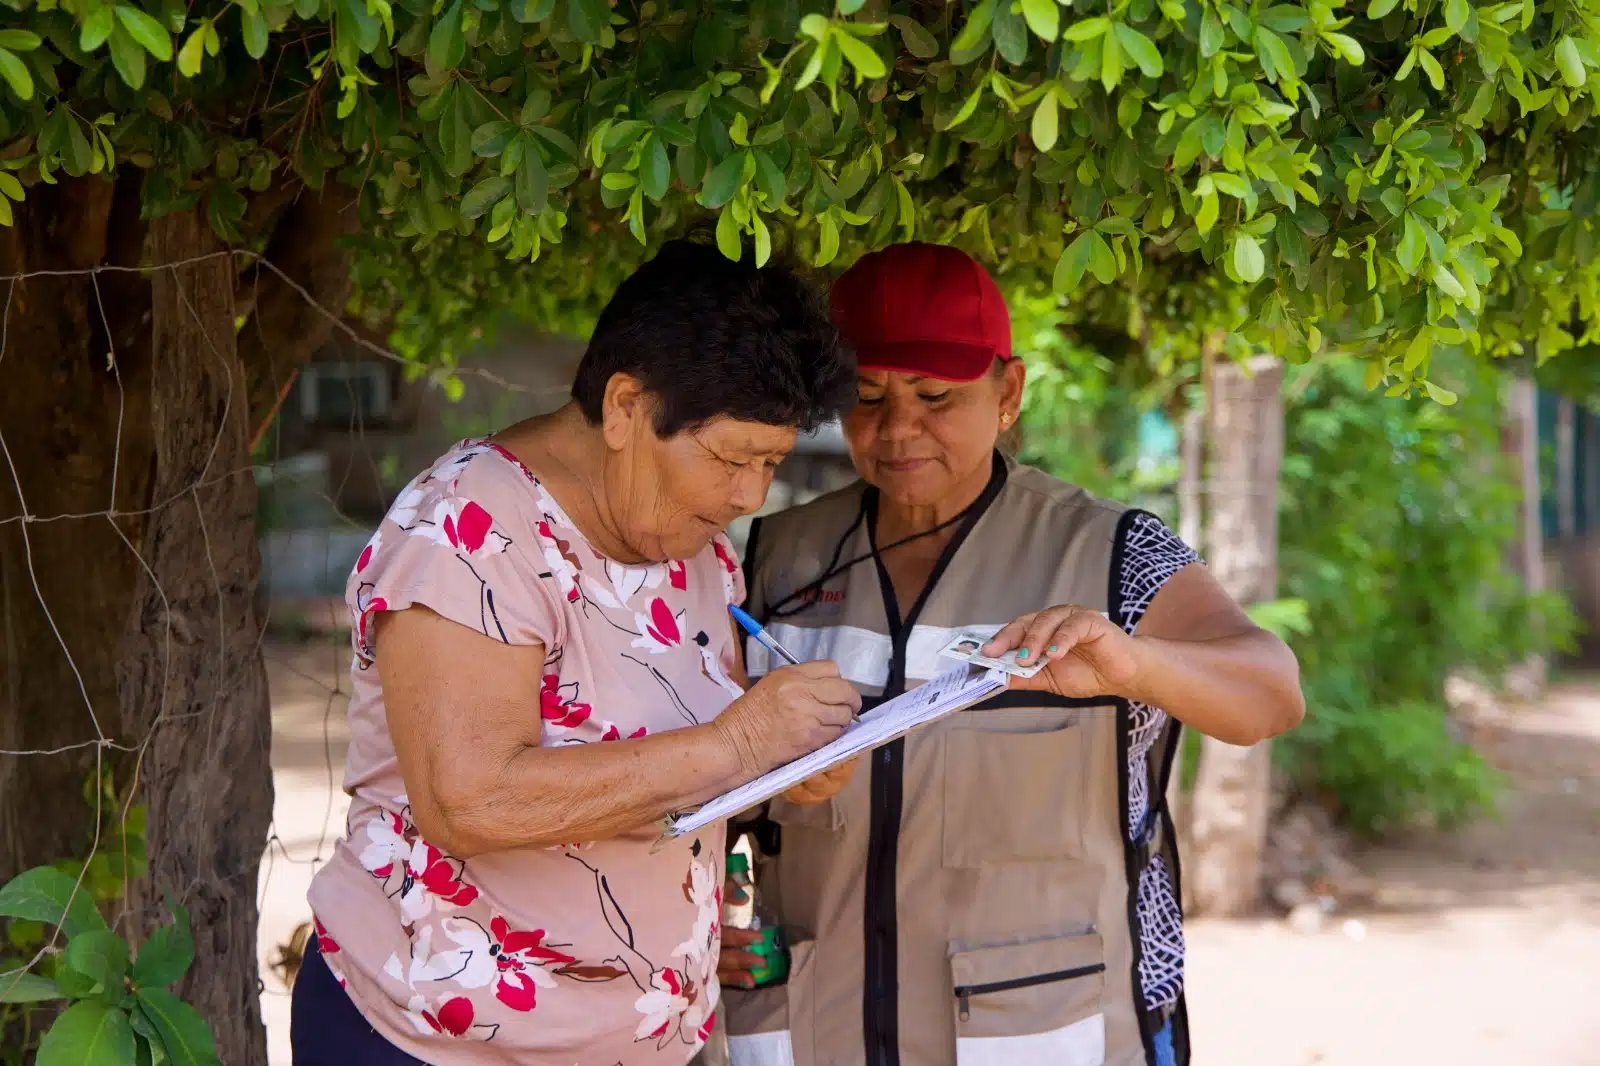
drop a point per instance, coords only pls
(951, 691)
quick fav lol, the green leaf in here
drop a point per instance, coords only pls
(1439, 394)
(150, 34)
(1345, 48)
(1409, 252)
(1088, 29)
(491, 138)
(850, 7)
(96, 28)
(19, 986)
(918, 41)
(763, 243)
(185, 1034)
(828, 241)
(1570, 63)
(868, 63)
(977, 26)
(1206, 216)
(484, 195)
(1248, 261)
(447, 43)
(968, 107)
(1447, 283)
(1211, 34)
(1046, 122)
(1044, 18)
(769, 179)
(45, 894)
(723, 183)
(167, 954)
(728, 241)
(192, 54)
(16, 74)
(1379, 8)
(1456, 13)
(1111, 65)
(588, 19)
(533, 184)
(100, 955)
(655, 169)
(1431, 67)
(1141, 49)
(128, 57)
(253, 26)
(1074, 263)
(88, 1034)
(1010, 34)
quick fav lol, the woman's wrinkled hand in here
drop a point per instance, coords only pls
(1085, 652)
(822, 787)
(788, 713)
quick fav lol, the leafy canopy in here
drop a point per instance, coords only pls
(1401, 179)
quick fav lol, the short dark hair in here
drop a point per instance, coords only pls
(709, 338)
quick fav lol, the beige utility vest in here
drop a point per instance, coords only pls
(971, 898)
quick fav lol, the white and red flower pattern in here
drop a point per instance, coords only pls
(465, 971)
(433, 880)
(663, 1005)
(453, 1017)
(559, 706)
(660, 629)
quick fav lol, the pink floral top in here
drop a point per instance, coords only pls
(591, 954)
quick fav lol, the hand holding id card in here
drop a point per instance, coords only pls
(967, 647)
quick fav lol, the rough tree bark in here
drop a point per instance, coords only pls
(74, 422)
(158, 394)
(1229, 807)
(191, 677)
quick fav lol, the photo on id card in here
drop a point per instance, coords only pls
(966, 647)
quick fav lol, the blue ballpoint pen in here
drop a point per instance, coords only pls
(759, 634)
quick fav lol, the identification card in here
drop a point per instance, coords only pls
(965, 647)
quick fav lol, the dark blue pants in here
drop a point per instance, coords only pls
(326, 1029)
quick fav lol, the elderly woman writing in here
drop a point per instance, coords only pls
(1002, 887)
(544, 667)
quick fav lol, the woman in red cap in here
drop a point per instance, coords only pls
(1002, 887)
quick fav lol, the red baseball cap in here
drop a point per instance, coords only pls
(925, 309)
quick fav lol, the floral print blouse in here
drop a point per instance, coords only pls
(593, 954)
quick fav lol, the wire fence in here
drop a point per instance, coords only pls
(307, 819)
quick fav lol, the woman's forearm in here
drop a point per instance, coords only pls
(548, 796)
(1240, 689)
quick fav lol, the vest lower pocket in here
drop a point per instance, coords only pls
(772, 1026)
(1027, 1004)
(1013, 788)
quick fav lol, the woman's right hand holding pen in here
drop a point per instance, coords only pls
(792, 711)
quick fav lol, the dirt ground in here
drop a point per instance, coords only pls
(1482, 948)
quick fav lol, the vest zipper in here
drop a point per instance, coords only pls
(964, 993)
(881, 994)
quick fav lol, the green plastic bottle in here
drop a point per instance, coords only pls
(748, 913)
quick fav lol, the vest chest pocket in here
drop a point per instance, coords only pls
(1034, 1004)
(1013, 788)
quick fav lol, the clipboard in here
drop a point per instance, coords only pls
(954, 690)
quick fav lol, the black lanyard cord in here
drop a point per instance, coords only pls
(835, 568)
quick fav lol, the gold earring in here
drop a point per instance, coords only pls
(1005, 419)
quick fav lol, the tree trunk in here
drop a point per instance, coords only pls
(192, 678)
(127, 546)
(75, 431)
(1233, 786)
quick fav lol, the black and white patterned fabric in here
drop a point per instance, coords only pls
(1150, 553)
